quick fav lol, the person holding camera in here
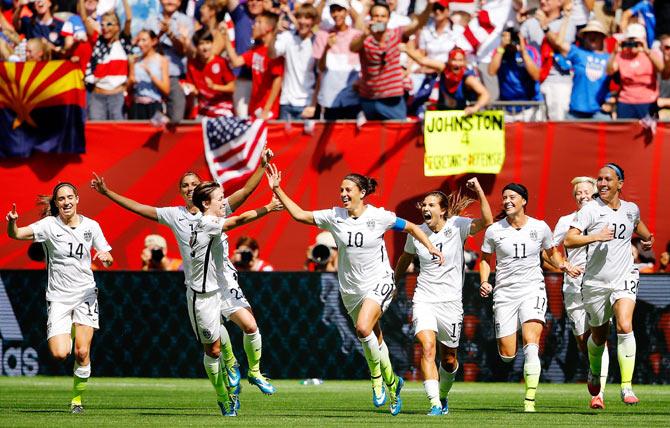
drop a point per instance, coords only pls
(638, 66)
(517, 66)
(246, 258)
(381, 86)
(154, 255)
(322, 255)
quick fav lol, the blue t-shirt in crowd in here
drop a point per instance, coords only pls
(645, 10)
(456, 100)
(52, 32)
(514, 81)
(590, 82)
(243, 40)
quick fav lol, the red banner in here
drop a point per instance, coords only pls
(145, 164)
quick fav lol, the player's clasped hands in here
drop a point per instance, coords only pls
(273, 175)
(275, 204)
(267, 156)
(485, 289)
(12, 215)
(571, 270)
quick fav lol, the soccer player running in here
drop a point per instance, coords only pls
(208, 259)
(583, 190)
(236, 308)
(72, 298)
(605, 226)
(438, 299)
(519, 296)
(366, 279)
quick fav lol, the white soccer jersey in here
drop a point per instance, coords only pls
(576, 256)
(441, 283)
(182, 223)
(207, 256)
(362, 258)
(68, 252)
(609, 261)
(518, 254)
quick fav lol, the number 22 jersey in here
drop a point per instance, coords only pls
(68, 252)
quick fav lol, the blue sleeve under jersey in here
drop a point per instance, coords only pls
(399, 225)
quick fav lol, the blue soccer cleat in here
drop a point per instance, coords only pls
(396, 401)
(445, 406)
(225, 411)
(235, 402)
(262, 383)
(234, 376)
(378, 399)
(435, 411)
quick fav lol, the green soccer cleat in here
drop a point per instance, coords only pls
(262, 383)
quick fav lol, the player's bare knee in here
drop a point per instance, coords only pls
(81, 353)
(250, 329)
(449, 362)
(428, 350)
(213, 352)
(624, 326)
(363, 330)
(60, 354)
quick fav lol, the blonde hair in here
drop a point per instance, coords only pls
(583, 179)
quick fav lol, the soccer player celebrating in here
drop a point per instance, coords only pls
(519, 297)
(366, 279)
(72, 302)
(208, 259)
(438, 299)
(583, 190)
(181, 221)
(605, 226)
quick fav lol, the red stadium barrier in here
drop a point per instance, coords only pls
(145, 163)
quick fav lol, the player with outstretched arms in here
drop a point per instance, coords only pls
(605, 226)
(437, 310)
(72, 297)
(365, 276)
(519, 296)
(583, 190)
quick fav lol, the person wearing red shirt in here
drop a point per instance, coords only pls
(266, 73)
(210, 77)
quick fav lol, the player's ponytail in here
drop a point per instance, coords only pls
(366, 184)
(48, 202)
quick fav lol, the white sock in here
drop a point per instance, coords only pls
(83, 372)
(604, 370)
(432, 388)
(446, 381)
(532, 368)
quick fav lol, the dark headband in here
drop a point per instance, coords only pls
(616, 169)
(518, 188)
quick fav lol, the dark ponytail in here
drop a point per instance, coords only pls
(366, 184)
(48, 203)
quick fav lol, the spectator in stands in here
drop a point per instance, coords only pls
(338, 65)
(664, 260)
(243, 15)
(266, 73)
(556, 83)
(174, 29)
(107, 70)
(149, 78)
(154, 255)
(42, 24)
(643, 11)
(38, 50)
(210, 78)
(298, 94)
(381, 87)
(581, 10)
(210, 11)
(517, 66)
(246, 257)
(590, 79)
(638, 67)
(458, 84)
(8, 38)
(322, 255)
(664, 91)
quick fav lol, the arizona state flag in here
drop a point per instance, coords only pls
(41, 108)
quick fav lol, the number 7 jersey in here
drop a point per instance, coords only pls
(609, 261)
(68, 253)
(362, 258)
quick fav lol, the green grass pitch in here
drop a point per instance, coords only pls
(43, 401)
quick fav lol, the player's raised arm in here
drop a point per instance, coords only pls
(298, 214)
(238, 197)
(99, 185)
(252, 215)
(486, 219)
(13, 230)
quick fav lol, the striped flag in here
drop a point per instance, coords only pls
(233, 148)
(489, 23)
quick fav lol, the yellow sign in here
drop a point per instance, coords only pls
(457, 144)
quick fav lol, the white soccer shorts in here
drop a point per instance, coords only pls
(204, 310)
(511, 313)
(598, 301)
(444, 318)
(574, 306)
(61, 315)
(381, 293)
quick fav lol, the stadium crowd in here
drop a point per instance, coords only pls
(348, 59)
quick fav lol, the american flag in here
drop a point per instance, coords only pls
(233, 147)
